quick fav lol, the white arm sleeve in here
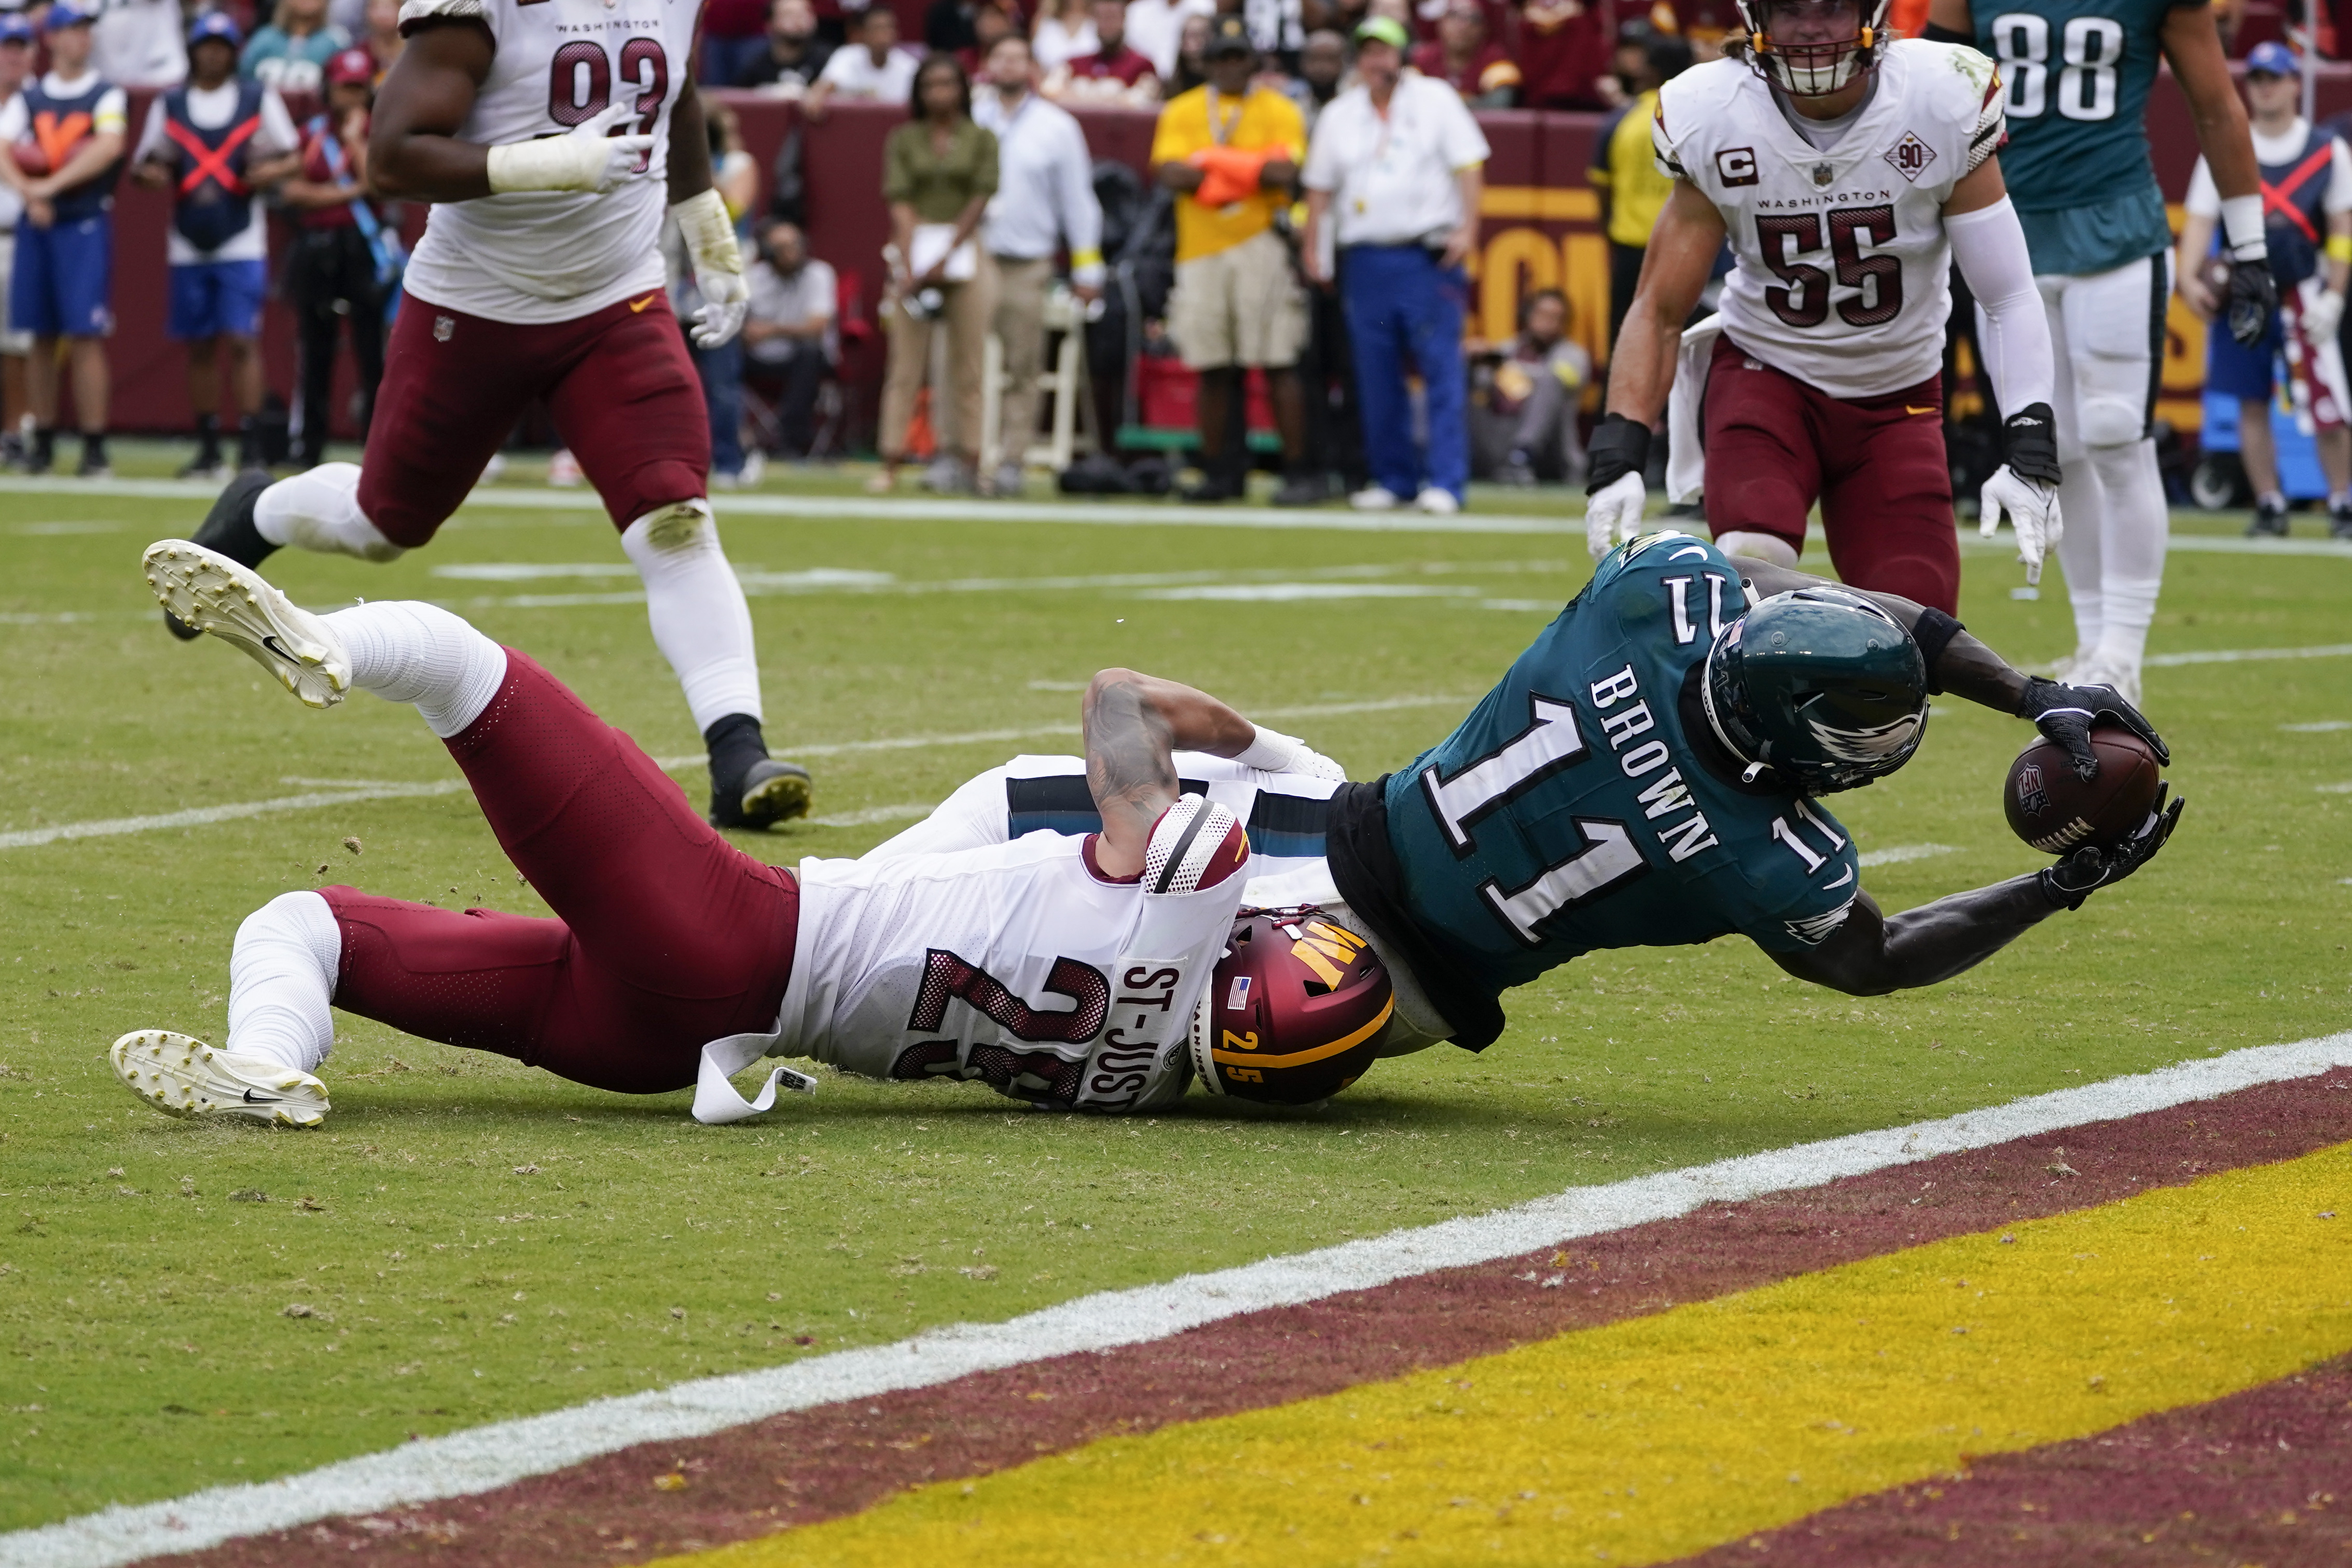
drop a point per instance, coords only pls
(2012, 330)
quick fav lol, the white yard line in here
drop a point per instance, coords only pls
(2242, 654)
(1901, 852)
(343, 794)
(465, 1463)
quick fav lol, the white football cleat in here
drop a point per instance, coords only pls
(180, 1075)
(1437, 503)
(214, 594)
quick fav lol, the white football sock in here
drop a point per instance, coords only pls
(281, 980)
(320, 510)
(406, 651)
(2131, 546)
(2082, 510)
(700, 621)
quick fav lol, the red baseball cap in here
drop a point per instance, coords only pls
(353, 67)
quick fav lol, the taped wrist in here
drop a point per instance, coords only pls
(548, 164)
(1272, 751)
(2241, 228)
(1934, 634)
(709, 236)
(2029, 444)
(1620, 446)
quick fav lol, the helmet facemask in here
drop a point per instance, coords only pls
(1819, 66)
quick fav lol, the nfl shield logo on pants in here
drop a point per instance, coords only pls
(441, 327)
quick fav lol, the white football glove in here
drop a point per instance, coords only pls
(1614, 514)
(717, 268)
(588, 157)
(2033, 511)
(1276, 752)
(2323, 312)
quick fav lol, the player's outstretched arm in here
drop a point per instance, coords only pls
(1873, 954)
(1964, 666)
(413, 145)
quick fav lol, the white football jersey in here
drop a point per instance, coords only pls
(554, 256)
(1013, 964)
(1841, 274)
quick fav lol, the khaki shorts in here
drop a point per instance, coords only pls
(1242, 306)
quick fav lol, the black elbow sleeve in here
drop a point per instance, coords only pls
(1942, 35)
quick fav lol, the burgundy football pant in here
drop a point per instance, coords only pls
(666, 935)
(618, 382)
(1775, 445)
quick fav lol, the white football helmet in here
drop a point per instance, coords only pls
(1814, 70)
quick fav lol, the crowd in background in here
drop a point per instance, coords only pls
(1296, 245)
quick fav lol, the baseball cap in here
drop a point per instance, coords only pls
(14, 29)
(215, 25)
(1383, 30)
(63, 16)
(353, 67)
(1230, 35)
(2270, 58)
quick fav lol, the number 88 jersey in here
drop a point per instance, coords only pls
(1841, 274)
(534, 256)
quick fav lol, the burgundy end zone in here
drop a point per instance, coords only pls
(822, 1463)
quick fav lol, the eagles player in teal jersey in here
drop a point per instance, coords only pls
(2078, 74)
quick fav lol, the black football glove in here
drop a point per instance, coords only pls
(2252, 300)
(2029, 444)
(2065, 714)
(2088, 869)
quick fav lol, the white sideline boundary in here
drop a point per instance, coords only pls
(370, 789)
(463, 1463)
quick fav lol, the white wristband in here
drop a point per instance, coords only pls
(1272, 751)
(2241, 228)
(710, 234)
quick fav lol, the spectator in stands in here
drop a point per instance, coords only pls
(1563, 51)
(872, 68)
(789, 338)
(136, 43)
(734, 34)
(1116, 72)
(989, 24)
(1064, 30)
(1467, 60)
(343, 263)
(1230, 150)
(1400, 162)
(384, 40)
(1523, 412)
(1322, 63)
(1625, 169)
(938, 171)
(16, 421)
(215, 143)
(794, 55)
(291, 53)
(1044, 201)
(1276, 28)
(1155, 29)
(1191, 54)
(63, 281)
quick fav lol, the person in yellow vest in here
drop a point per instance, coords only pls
(1230, 150)
(1625, 172)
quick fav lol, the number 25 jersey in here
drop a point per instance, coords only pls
(534, 256)
(1841, 273)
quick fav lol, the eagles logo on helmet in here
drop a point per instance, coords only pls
(1296, 1010)
(1813, 69)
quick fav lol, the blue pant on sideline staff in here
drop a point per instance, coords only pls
(209, 298)
(1404, 308)
(64, 275)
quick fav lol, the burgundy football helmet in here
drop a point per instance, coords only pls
(1296, 1010)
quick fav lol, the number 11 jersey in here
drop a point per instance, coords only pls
(1841, 271)
(534, 256)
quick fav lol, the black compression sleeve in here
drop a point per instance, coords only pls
(1935, 35)
(1934, 632)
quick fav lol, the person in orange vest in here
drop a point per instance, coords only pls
(64, 136)
(215, 143)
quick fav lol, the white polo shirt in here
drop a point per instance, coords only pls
(852, 74)
(1392, 177)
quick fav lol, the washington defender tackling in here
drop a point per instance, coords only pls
(553, 139)
(1644, 775)
(1848, 171)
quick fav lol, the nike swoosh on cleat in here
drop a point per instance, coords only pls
(1930, 409)
(253, 1098)
(273, 645)
(639, 305)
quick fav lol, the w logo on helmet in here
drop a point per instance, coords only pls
(1295, 1011)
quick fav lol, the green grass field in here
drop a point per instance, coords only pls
(474, 1240)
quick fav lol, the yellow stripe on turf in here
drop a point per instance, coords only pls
(1661, 1435)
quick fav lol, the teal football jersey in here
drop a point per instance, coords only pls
(1568, 811)
(2076, 163)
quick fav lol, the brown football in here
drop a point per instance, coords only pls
(2056, 811)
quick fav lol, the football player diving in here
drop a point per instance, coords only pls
(1646, 774)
